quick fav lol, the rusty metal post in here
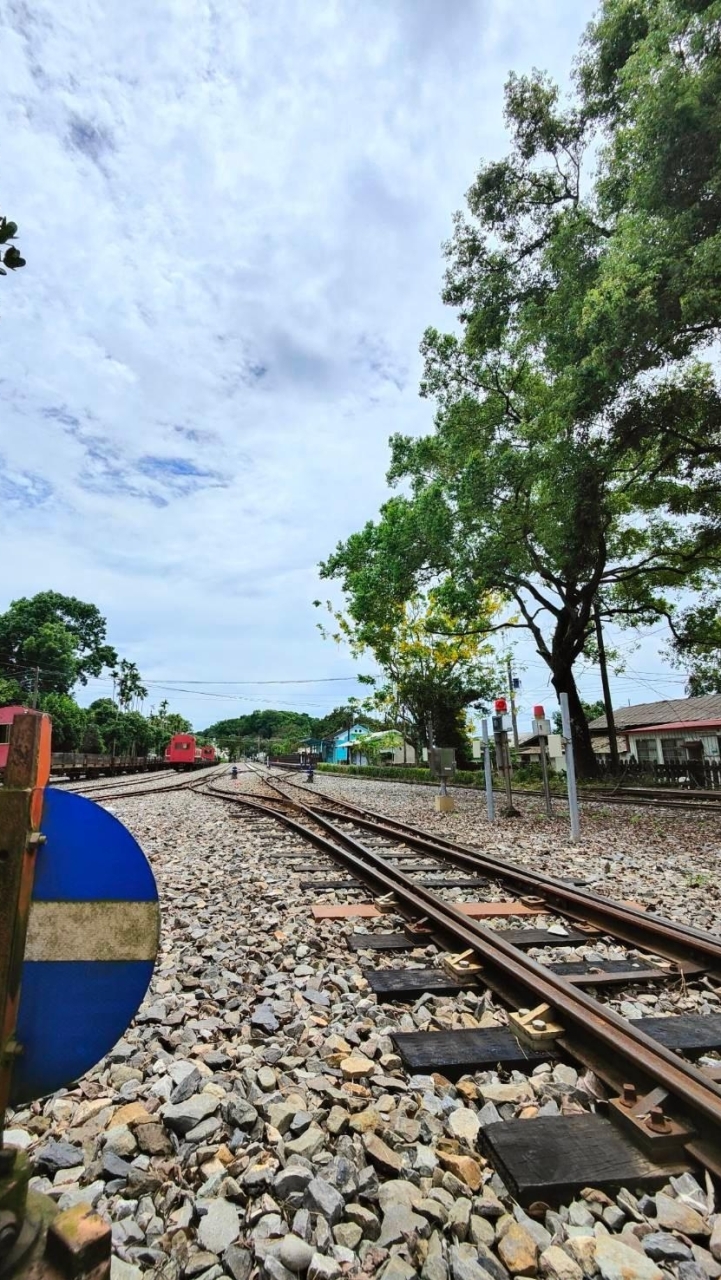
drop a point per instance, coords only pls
(78, 1243)
(21, 809)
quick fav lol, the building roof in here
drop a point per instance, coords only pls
(678, 725)
(676, 710)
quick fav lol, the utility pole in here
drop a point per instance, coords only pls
(36, 683)
(610, 722)
(512, 698)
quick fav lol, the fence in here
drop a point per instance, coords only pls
(695, 774)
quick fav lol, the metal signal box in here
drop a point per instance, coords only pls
(442, 762)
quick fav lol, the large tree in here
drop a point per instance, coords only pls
(560, 473)
(54, 641)
(431, 675)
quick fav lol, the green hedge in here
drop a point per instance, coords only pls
(400, 773)
(529, 774)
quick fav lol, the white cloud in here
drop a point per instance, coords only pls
(232, 215)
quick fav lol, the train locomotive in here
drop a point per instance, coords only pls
(183, 752)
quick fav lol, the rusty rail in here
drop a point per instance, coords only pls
(608, 1037)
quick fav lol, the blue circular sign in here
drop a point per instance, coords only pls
(92, 939)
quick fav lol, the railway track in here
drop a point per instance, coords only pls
(148, 786)
(668, 1107)
(637, 797)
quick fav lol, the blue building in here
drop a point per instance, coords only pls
(336, 749)
(339, 748)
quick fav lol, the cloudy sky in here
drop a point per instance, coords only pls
(232, 212)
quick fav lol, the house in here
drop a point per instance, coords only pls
(335, 748)
(671, 731)
(393, 751)
(529, 750)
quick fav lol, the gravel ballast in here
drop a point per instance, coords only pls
(255, 1119)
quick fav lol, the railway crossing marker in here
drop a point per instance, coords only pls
(79, 931)
(91, 945)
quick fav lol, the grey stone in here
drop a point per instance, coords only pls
(190, 1084)
(120, 1270)
(490, 1263)
(82, 1195)
(400, 1222)
(488, 1205)
(397, 1269)
(434, 1267)
(613, 1217)
(219, 1227)
(459, 1218)
(555, 1263)
(343, 1175)
(348, 1235)
(714, 1243)
(239, 1113)
(663, 1247)
(363, 1218)
(274, 1268)
(200, 1262)
(489, 1114)
(263, 1018)
(114, 1166)
(480, 1230)
(308, 1143)
(465, 1264)
(184, 1116)
(617, 1261)
(398, 1191)
(707, 1261)
(674, 1215)
(295, 1254)
(291, 1180)
(690, 1271)
(205, 1131)
(57, 1155)
(321, 1197)
(323, 1268)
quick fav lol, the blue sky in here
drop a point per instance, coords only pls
(232, 215)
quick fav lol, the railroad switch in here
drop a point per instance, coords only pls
(536, 1027)
(653, 1130)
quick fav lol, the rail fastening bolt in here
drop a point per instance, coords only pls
(656, 1120)
(629, 1095)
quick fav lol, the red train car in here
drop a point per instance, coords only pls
(208, 755)
(181, 751)
(7, 715)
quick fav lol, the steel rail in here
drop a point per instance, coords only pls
(653, 933)
(192, 783)
(618, 1039)
(637, 927)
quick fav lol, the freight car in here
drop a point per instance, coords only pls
(81, 764)
(77, 764)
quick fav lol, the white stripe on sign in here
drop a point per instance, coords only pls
(93, 931)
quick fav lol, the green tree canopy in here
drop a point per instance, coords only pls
(575, 459)
(431, 674)
(61, 636)
(11, 258)
(68, 721)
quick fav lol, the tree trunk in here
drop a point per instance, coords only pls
(563, 681)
